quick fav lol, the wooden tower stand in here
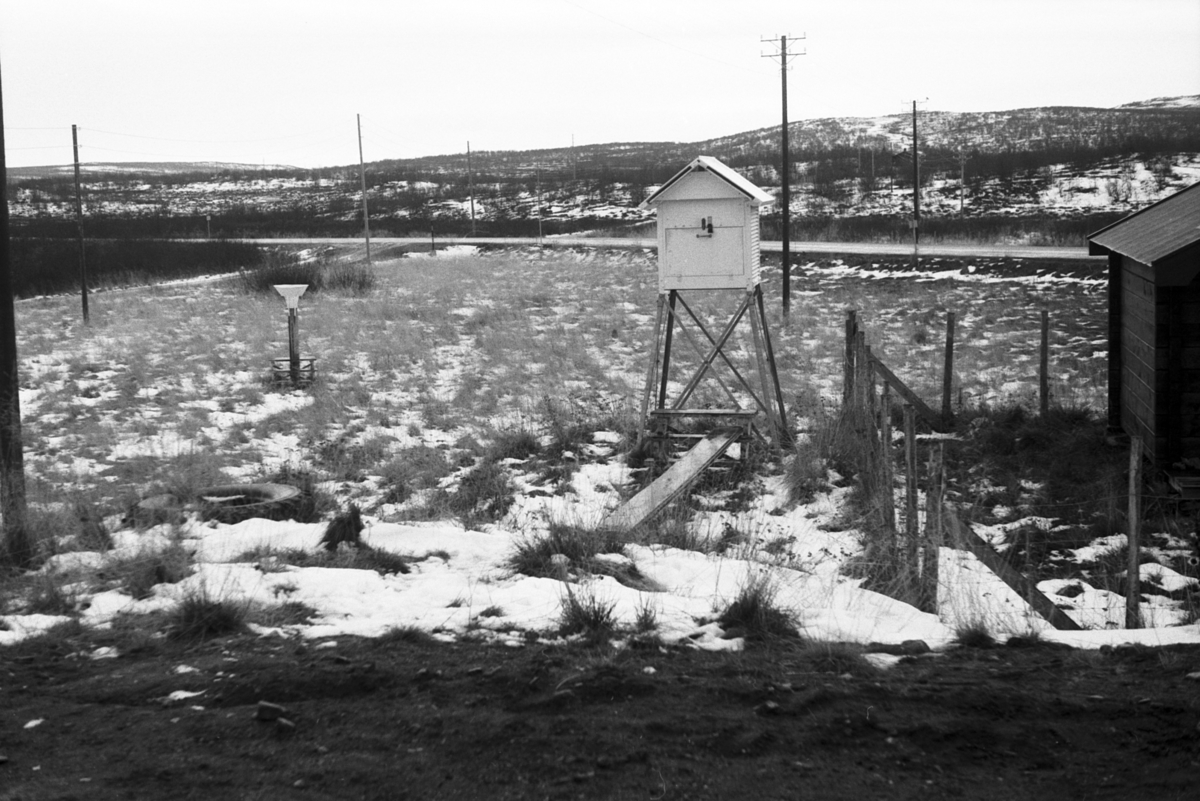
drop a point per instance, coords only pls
(708, 239)
(661, 413)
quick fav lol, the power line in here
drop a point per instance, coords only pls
(785, 175)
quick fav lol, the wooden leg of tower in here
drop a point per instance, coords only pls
(666, 351)
(785, 433)
(768, 398)
(652, 369)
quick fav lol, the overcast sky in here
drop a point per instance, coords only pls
(280, 81)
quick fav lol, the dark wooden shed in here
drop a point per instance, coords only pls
(1154, 326)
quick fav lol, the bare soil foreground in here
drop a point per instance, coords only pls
(407, 718)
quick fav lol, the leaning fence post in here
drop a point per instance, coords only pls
(948, 371)
(911, 526)
(871, 409)
(1044, 365)
(1133, 589)
(886, 478)
(934, 493)
(860, 370)
(848, 364)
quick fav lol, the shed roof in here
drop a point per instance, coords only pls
(709, 164)
(1155, 233)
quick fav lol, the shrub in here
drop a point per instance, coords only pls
(974, 634)
(288, 613)
(837, 657)
(281, 267)
(199, 616)
(140, 573)
(519, 444)
(49, 595)
(584, 613)
(534, 556)
(755, 612)
(417, 468)
(484, 495)
(355, 278)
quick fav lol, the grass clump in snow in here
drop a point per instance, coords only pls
(419, 467)
(754, 611)
(140, 573)
(345, 557)
(585, 614)
(840, 658)
(484, 495)
(50, 594)
(201, 616)
(974, 634)
(562, 548)
(288, 613)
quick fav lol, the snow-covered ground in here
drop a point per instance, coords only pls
(170, 378)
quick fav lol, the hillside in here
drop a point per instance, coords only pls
(1054, 163)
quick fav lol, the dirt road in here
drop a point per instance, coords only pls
(407, 718)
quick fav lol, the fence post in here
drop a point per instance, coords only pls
(934, 494)
(948, 371)
(860, 370)
(1133, 588)
(886, 477)
(848, 363)
(1044, 365)
(871, 407)
(911, 527)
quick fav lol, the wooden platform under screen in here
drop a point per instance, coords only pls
(673, 482)
(756, 405)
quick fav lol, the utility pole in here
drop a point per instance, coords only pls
(916, 221)
(16, 546)
(785, 175)
(539, 203)
(79, 225)
(962, 177)
(471, 187)
(362, 175)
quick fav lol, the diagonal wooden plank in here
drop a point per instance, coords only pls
(672, 482)
(963, 535)
(935, 421)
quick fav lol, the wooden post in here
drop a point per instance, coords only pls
(860, 370)
(871, 407)
(948, 371)
(934, 495)
(1133, 596)
(785, 432)
(1044, 365)
(666, 352)
(886, 476)
(362, 175)
(911, 529)
(652, 368)
(848, 363)
(294, 346)
(83, 287)
(17, 545)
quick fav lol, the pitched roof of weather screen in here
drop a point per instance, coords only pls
(707, 163)
(1155, 233)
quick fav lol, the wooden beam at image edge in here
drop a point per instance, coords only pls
(961, 535)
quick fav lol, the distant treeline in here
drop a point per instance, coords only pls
(252, 223)
(1035, 229)
(51, 266)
